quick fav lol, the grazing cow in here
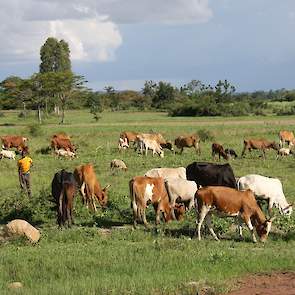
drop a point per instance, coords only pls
(128, 137)
(13, 141)
(228, 202)
(179, 211)
(61, 135)
(267, 188)
(181, 190)
(145, 190)
(62, 143)
(63, 189)
(7, 154)
(205, 174)
(284, 152)
(90, 187)
(188, 141)
(149, 144)
(231, 153)
(259, 144)
(217, 149)
(123, 144)
(286, 137)
(168, 145)
(64, 153)
(118, 164)
(179, 172)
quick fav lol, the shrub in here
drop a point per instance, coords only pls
(2, 115)
(205, 135)
(35, 130)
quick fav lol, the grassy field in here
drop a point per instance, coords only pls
(101, 254)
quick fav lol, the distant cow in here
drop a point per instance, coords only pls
(188, 141)
(63, 189)
(65, 154)
(284, 152)
(118, 164)
(267, 188)
(146, 144)
(179, 172)
(128, 137)
(205, 174)
(13, 141)
(286, 137)
(145, 190)
(217, 149)
(229, 202)
(231, 153)
(62, 143)
(259, 144)
(90, 188)
(61, 135)
(7, 154)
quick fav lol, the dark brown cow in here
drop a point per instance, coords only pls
(14, 141)
(259, 144)
(217, 149)
(188, 141)
(62, 143)
(286, 137)
(179, 211)
(229, 202)
(145, 190)
(90, 187)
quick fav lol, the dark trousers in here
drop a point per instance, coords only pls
(25, 182)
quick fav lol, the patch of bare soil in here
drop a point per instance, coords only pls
(282, 283)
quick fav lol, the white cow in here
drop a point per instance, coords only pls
(284, 152)
(7, 154)
(179, 172)
(149, 144)
(267, 188)
(64, 153)
(181, 188)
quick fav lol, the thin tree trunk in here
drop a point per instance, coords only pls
(39, 114)
(25, 111)
(62, 114)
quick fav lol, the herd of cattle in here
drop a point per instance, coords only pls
(209, 187)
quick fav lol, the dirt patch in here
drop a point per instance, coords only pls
(266, 284)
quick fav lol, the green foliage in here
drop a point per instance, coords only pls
(206, 135)
(35, 130)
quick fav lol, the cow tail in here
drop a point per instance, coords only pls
(167, 189)
(132, 196)
(60, 207)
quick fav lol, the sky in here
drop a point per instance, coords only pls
(123, 43)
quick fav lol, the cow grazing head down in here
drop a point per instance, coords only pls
(263, 229)
(102, 197)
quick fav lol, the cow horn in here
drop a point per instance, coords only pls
(271, 219)
(106, 187)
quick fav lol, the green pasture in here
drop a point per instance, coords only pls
(101, 254)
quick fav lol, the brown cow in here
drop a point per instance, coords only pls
(229, 202)
(188, 141)
(129, 135)
(259, 144)
(145, 190)
(90, 187)
(61, 135)
(217, 149)
(286, 137)
(62, 143)
(14, 141)
(179, 211)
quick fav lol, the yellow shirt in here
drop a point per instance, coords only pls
(25, 164)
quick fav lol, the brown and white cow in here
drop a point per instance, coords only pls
(286, 137)
(145, 190)
(14, 141)
(127, 137)
(259, 144)
(217, 149)
(188, 141)
(229, 202)
(90, 187)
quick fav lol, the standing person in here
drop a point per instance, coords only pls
(24, 165)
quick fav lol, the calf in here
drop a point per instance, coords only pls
(90, 188)
(231, 153)
(217, 149)
(188, 141)
(145, 190)
(179, 172)
(259, 144)
(63, 189)
(64, 153)
(149, 144)
(286, 137)
(267, 188)
(229, 202)
(205, 174)
(118, 164)
(7, 154)
(284, 152)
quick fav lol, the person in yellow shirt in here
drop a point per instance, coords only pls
(24, 165)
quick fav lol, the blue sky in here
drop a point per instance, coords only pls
(125, 42)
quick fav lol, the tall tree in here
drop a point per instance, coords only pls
(55, 56)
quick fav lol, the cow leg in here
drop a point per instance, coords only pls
(209, 224)
(82, 190)
(191, 204)
(243, 152)
(250, 227)
(181, 150)
(263, 154)
(203, 213)
(135, 215)
(240, 227)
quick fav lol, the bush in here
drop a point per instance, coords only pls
(35, 130)
(2, 115)
(206, 135)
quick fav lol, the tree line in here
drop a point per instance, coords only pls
(55, 87)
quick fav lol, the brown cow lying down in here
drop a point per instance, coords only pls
(259, 144)
(90, 187)
(229, 202)
(188, 141)
(217, 149)
(145, 190)
(19, 227)
(13, 141)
